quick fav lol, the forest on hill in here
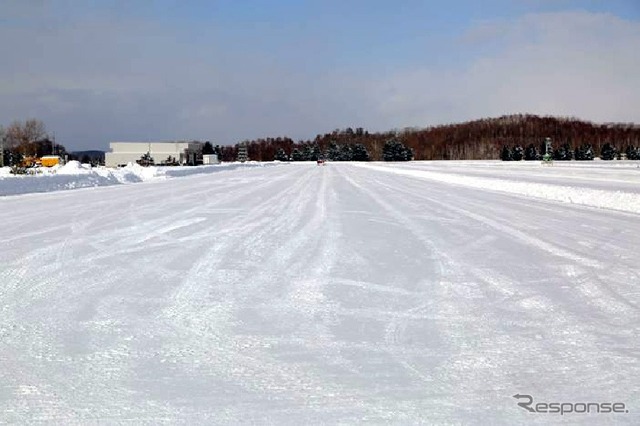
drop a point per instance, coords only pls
(482, 139)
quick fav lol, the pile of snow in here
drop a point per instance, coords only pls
(74, 168)
(76, 175)
(600, 198)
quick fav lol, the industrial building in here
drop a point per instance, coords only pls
(122, 153)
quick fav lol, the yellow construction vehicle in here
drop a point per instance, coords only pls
(50, 160)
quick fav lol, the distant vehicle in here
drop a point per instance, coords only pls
(320, 162)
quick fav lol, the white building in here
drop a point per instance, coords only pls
(123, 153)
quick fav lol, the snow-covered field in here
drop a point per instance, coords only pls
(295, 294)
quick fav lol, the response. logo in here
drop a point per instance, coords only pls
(526, 402)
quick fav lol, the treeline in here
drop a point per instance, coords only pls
(508, 137)
(339, 145)
(474, 140)
(565, 152)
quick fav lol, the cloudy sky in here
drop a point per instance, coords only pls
(225, 70)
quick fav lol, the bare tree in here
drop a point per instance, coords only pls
(22, 136)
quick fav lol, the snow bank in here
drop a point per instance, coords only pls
(606, 199)
(76, 175)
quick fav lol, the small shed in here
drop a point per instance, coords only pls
(208, 159)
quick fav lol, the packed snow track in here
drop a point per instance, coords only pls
(300, 294)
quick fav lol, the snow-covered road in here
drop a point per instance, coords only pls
(300, 294)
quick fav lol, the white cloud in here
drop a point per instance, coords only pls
(574, 64)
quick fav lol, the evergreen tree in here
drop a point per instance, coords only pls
(506, 154)
(12, 157)
(296, 155)
(333, 153)
(360, 153)
(207, 149)
(281, 155)
(145, 160)
(584, 152)
(394, 150)
(518, 153)
(312, 152)
(633, 153)
(531, 153)
(563, 153)
(169, 161)
(346, 153)
(608, 152)
(408, 154)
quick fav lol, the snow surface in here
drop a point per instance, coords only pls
(341, 294)
(74, 175)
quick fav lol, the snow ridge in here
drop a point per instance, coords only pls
(599, 198)
(75, 175)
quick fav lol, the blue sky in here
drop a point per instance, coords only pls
(98, 71)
